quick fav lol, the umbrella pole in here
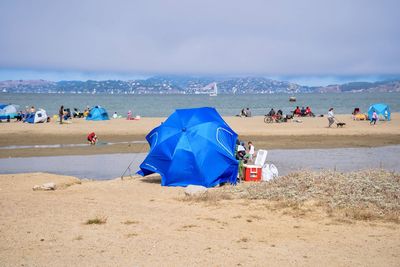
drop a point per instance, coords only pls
(129, 166)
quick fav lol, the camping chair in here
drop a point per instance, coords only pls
(356, 111)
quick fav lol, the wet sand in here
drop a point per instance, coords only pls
(309, 133)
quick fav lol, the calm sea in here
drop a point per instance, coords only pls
(227, 105)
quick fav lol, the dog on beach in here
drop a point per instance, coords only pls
(340, 124)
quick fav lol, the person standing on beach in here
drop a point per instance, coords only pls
(251, 151)
(331, 117)
(61, 113)
(374, 118)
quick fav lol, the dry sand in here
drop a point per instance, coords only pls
(149, 225)
(309, 133)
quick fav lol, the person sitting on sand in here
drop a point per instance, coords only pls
(243, 113)
(297, 111)
(248, 112)
(309, 112)
(92, 138)
(303, 111)
(86, 112)
(115, 115)
(271, 112)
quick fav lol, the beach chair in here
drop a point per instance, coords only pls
(252, 172)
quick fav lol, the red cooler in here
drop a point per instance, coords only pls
(252, 173)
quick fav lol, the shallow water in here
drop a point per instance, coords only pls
(104, 167)
(227, 105)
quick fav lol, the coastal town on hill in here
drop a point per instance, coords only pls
(190, 85)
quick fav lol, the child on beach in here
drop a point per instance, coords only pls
(251, 151)
(92, 138)
(374, 118)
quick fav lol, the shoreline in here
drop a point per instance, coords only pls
(260, 142)
(306, 133)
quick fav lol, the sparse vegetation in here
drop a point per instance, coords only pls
(128, 222)
(97, 220)
(209, 197)
(79, 237)
(362, 195)
(131, 235)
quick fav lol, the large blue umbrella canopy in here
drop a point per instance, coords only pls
(193, 146)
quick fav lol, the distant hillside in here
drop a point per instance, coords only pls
(189, 85)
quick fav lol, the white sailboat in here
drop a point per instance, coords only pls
(215, 93)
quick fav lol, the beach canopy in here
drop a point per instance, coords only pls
(8, 111)
(36, 117)
(97, 113)
(382, 110)
(192, 147)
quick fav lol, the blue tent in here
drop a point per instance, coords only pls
(380, 109)
(192, 147)
(97, 113)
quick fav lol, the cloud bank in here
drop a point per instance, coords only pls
(308, 37)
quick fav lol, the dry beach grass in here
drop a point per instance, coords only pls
(364, 195)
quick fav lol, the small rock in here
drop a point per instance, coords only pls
(45, 186)
(192, 190)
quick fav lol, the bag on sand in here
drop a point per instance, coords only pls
(269, 172)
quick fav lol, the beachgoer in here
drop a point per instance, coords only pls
(129, 116)
(86, 112)
(331, 117)
(33, 110)
(243, 113)
(92, 138)
(297, 111)
(248, 112)
(271, 112)
(61, 113)
(303, 111)
(251, 150)
(115, 115)
(374, 118)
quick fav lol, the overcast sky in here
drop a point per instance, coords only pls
(281, 38)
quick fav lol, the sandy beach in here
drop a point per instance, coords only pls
(137, 222)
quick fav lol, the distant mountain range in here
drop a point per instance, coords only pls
(189, 85)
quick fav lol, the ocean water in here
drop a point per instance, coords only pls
(227, 105)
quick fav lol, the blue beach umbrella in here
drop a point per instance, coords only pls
(193, 146)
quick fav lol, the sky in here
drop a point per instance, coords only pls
(311, 41)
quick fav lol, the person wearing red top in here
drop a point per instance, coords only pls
(92, 138)
(308, 111)
(297, 111)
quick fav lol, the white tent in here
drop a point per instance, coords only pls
(8, 111)
(37, 117)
